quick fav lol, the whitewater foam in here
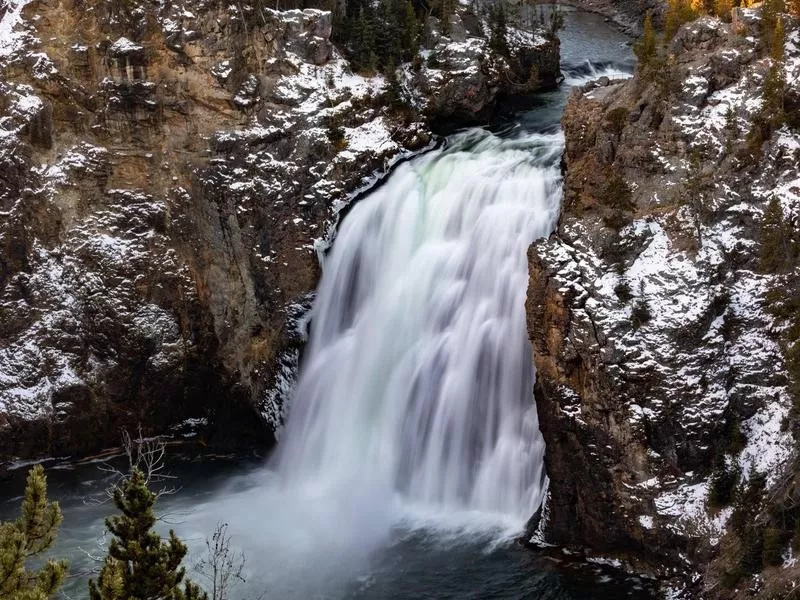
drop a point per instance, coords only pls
(588, 71)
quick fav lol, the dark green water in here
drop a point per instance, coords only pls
(419, 559)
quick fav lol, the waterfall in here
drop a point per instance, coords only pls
(417, 380)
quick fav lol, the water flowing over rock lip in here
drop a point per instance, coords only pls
(296, 444)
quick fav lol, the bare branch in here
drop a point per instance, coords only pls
(149, 456)
(222, 566)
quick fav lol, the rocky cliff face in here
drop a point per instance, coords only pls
(655, 355)
(168, 172)
(462, 79)
(629, 14)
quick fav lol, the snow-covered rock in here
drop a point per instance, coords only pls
(651, 336)
(169, 173)
(462, 78)
(165, 170)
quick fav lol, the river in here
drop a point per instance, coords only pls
(412, 456)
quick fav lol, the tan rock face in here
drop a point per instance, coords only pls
(164, 173)
(167, 179)
(592, 456)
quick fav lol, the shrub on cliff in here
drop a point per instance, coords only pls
(623, 291)
(774, 88)
(772, 113)
(747, 506)
(645, 48)
(640, 313)
(773, 546)
(752, 558)
(678, 13)
(783, 303)
(334, 129)
(723, 481)
(617, 119)
(139, 565)
(723, 9)
(776, 249)
(30, 536)
(732, 130)
(699, 183)
(615, 194)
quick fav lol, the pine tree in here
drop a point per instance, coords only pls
(394, 93)
(498, 29)
(773, 253)
(139, 565)
(770, 13)
(731, 129)
(446, 9)
(409, 30)
(29, 536)
(773, 91)
(678, 13)
(387, 42)
(645, 48)
(778, 41)
(365, 57)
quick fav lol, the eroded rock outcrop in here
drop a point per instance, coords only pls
(654, 352)
(462, 79)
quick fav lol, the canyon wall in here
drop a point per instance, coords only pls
(168, 175)
(628, 14)
(656, 356)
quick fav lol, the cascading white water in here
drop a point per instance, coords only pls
(405, 462)
(589, 71)
(417, 380)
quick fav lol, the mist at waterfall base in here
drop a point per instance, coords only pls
(412, 456)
